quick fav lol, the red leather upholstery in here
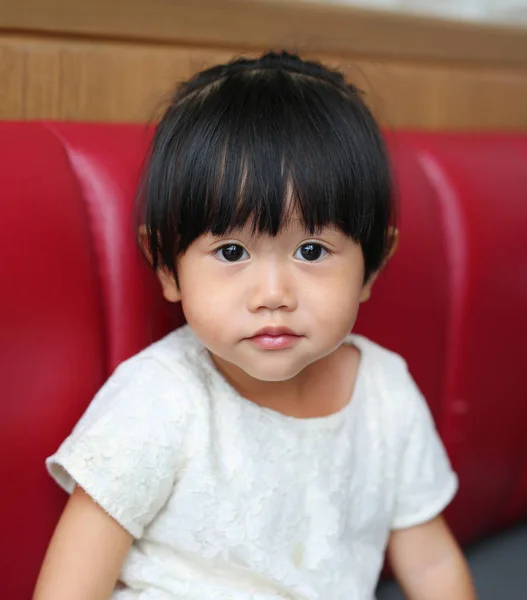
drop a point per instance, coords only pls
(482, 183)
(77, 299)
(106, 161)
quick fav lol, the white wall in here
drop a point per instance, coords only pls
(512, 12)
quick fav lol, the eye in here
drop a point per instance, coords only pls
(311, 252)
(232, 253)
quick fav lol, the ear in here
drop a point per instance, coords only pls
(167, 280)
(393, 235)
(169, 286)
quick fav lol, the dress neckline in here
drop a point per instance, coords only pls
(323, 422)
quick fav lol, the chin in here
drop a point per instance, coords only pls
(273, 373)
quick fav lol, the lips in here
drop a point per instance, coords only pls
(275, 338)
(275, 332)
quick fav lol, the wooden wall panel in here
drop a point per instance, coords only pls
(447, 97)
(117, 60)
(258, 24)
(123, 81)
(12, 82)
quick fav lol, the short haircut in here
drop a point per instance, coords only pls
(239, 142)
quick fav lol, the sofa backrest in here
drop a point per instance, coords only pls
(77, 299)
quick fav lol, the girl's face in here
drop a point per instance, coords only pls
(270, 306)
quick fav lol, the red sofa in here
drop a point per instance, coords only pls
(77, 299)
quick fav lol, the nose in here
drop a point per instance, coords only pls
(273, 288)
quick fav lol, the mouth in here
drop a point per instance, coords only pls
(275, 338)
(275, 332)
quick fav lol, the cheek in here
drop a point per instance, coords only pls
(206, 305)
(197, 289)
(336, 286)
(340, 315)
(205, 318)
(336, 299)
(201, 304)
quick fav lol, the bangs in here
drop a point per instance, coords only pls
(257, 147)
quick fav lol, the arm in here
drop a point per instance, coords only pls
(429, 564)
(85, 555)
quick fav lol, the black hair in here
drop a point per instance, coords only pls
(241, 139)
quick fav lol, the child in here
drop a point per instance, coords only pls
(261, 451)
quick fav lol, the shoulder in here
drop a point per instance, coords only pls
(176, 362)
(384, 364)
(137, 435)
(178, 354)
(160, 383)
(389, 383)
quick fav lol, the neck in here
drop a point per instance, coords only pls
(321, 388)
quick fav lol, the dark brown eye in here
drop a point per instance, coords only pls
(232, 253)
(310, 252)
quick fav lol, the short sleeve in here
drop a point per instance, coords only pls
(426, 483)
(128, 447)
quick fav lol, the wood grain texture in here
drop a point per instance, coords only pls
(105, 81)
(120, 61)
(263, 24)
(12, 82)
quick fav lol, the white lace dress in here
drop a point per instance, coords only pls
(230, 501)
